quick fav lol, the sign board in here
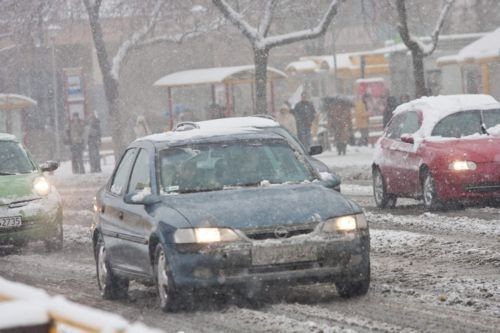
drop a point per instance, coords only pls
(74, 93)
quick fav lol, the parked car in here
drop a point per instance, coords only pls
(232, 208)
(441, 149)
(30, 207)
(266, 123)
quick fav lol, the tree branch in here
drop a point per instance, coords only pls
(237, 19)
(439, 26)
(136, 37)
(404, 32)
(317, 31)
(265, 23)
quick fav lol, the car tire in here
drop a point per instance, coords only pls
(347, 289)
(429, 195)
(55, 243)
(382, 198)
(167, 294)
(111, 286)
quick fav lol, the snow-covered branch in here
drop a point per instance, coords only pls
(136, 37)
(265, 23)
(411, 41)
(237, 19)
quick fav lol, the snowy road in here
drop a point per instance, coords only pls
(430, 272)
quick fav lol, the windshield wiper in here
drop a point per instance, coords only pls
(2, 173)
(483, 128)
(194, 190)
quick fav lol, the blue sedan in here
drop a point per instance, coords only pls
(233, 208)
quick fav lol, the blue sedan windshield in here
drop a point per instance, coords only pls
(215, 166)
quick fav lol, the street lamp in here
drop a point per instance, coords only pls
(52, 32)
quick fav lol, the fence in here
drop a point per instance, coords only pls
(31, 310)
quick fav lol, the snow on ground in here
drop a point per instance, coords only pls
(64, 176)
(354, 166)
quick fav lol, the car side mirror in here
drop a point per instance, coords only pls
(315, 150)
(49, 166)
(330, 180)
(407, 138)
(141, 198)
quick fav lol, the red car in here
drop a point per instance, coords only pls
(440, 149)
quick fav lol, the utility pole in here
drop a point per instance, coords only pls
(52, 32)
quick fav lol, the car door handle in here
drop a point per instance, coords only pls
(120, 215)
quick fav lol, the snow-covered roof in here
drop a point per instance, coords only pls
(7, 137)
(236, 74)
(484, 49)
(15, 101)
(302, 66)
(435, 108)
(236, 122)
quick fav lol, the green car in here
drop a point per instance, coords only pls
(30, 207)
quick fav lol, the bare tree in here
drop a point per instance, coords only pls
(418, 49)
(262, 43)
(142, 36)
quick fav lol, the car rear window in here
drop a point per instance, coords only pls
(459, 124)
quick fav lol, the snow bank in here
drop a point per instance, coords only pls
(23, 313)
(27, 306)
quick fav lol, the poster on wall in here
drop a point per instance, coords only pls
(373, 90)
(74, 93)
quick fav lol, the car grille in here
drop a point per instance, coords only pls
(270, 232)
(483, 187)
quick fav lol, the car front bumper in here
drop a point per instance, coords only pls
(336, 259)
(40, 218)
(480, 184)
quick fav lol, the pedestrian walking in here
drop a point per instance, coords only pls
(304, 114)
(286, 119)
(340, 122)
(141, 127)
(390, 105)
(94, 143)
(362, 118)
(76, 140)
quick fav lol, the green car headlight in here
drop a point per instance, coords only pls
(205, 235)
(41, 186)
(345, 223)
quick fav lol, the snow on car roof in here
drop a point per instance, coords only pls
(236, 122)
(7, 137)
(197, 134)
(435, 108)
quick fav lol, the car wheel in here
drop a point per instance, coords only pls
(167, 294)
(111, 286)
(55, 243)
(382, 198)
(348, 289)
(429, 195)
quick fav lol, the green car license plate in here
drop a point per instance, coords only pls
(281, 254)
(10, 222)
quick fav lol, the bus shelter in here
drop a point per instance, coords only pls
(226, 76)
(13, 114)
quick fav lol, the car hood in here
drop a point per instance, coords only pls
(261, 206)
(479, 150)
(16, 188)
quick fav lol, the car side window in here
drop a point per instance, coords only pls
(122, 173)
(140, 180)
(394, 129)
(410, 124)
(458, 125)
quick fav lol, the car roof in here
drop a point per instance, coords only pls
(7, 137)
(198, 135)
(435, 108)
(238, 122)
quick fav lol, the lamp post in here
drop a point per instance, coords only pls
(52, 32)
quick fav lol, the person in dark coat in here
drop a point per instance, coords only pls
(94, 143)
(304, 114)
(390, 106)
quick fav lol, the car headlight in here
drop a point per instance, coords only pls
(462, 165)
(41, 186)
(346, 223)
(205, 235)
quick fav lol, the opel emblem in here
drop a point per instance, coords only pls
(280, 232)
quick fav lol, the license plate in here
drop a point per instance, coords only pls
(10, 222)
(281, 254)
